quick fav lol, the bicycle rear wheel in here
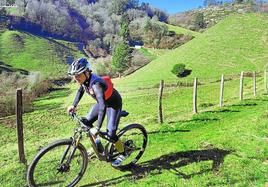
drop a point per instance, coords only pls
(134, 138)
(58, 164)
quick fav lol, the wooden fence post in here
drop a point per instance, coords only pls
(20, 125)
(222, 90)
(241, 85)
(265, 80)
(160, 111)
(254, 84)
(195, 96)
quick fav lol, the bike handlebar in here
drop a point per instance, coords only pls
(74, 116)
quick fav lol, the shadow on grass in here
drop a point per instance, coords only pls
(171, 162)
(195, 120)
(221, 111)
(64, 92)
(245, 104)
(10, 69)
(41, 104)
(167, 132)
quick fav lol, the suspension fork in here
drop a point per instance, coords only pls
(74, 144)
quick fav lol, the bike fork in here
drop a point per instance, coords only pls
(71, 154)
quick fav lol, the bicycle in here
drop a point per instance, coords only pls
(64, 162)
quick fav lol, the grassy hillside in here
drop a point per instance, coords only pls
(224, 147)
(235, 44)
(32, 53)
(181, 30)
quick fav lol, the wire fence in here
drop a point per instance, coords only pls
(177, 96)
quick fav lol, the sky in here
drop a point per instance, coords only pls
(175, 6)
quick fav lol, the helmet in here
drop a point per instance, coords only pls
(79, 66)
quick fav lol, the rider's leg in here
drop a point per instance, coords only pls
(113, 121)
(92, 116)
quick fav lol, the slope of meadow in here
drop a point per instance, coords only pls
(20, 50)
(235, 44)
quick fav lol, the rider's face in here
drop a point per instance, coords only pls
(81, 78)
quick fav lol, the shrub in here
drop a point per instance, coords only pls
(178, 69)
(32, 85)
(102, 66)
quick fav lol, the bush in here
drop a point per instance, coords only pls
(178, 69)
(102, 66)
(33, 86)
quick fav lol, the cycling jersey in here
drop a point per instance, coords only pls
(110, 103)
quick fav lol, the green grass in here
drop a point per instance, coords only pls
(220, 147)
(235, 44)
(33, 53)
(148, 54)
(181, 30)
(13, 11)
(156, 52)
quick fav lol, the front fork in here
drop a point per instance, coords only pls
(65, 167)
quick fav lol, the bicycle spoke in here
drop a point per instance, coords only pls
(53, 168)
(134, 140)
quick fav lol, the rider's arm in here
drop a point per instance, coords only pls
(99, 92)
(78, 96)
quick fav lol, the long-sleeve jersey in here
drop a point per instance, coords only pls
(95, 87)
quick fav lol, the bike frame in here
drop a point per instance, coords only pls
(83, 128)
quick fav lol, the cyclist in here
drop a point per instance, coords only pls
(108, 100)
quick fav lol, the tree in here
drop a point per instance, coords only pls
(124, 28)
(10, 2)
(22, 4)
(121, 57)
(211, 2)
(3, 3)
(199, 22)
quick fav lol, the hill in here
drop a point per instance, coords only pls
(214, 14)
(237, 43)
(31, 53)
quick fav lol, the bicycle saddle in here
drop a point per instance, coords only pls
(124, 113)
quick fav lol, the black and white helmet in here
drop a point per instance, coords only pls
(79, 66)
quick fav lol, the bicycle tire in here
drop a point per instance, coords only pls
(65, 142)
(120, 135)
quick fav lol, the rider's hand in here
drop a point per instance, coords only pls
(71, 109)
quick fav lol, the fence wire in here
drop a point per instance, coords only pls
(177, 96)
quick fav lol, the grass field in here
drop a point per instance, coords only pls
(220, 147)
(181, 30)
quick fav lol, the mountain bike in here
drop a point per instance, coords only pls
(64, 162)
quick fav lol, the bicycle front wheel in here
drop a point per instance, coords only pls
(59, 164)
